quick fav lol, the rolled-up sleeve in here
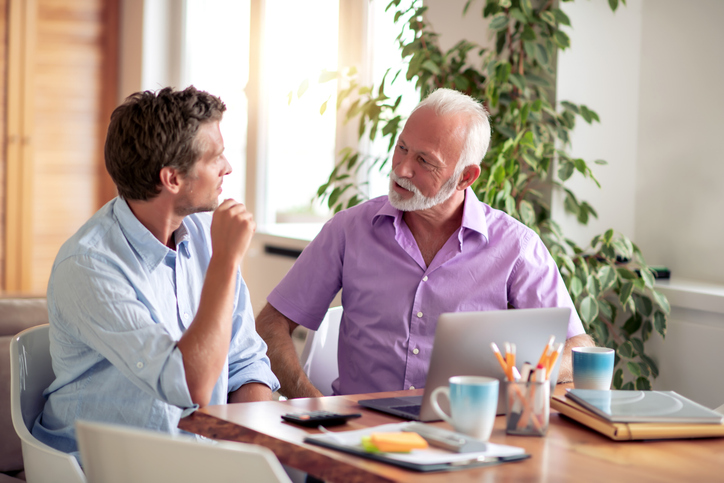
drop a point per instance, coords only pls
(536, 282)
(248, 361)
(102, 309)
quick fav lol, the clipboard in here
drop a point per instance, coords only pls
(427, 460)
(634, 431)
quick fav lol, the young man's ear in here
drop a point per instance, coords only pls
(470, 174)
(170, 179)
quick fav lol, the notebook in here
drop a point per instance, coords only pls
(644, 407)
(633, 431)
(462, 348)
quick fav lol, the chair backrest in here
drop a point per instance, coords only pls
(120, 454)
(31, 372)
(319, 356)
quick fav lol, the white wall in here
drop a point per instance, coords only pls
(651, 71)
(446, 18)
(601, 70)
(680, 173)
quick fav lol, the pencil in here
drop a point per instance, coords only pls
(553, 358)
(549, 347)
(501, 361)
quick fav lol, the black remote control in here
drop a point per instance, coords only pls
(318, 418)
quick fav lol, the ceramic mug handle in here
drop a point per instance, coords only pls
(436, 407)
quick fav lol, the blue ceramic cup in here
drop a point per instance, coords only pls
(473, 404)
(592, 367)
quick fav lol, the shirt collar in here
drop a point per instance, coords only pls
(473, 214)
(151, 251)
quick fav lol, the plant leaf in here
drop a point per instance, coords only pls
(499, 22)
(302, 87)
(625, 350)
(632, 324)
(660, 323)
(625, 293)
(607, 276)
(652, 365)
(575, 288)
(618, 378)
(634, 369)
(662, 301)
(589, 309)
(643, 304)
(642, 383)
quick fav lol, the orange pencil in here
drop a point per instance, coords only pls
(553, 358)
(549, 347)
(501, 361)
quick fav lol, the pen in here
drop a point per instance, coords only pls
(526, 371)
(553, 358)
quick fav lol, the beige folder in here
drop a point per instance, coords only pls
(632, 431)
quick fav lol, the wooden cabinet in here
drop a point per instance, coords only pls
(60, 59)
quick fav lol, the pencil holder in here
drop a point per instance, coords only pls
(528, 408)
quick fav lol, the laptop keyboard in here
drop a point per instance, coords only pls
(414, 409)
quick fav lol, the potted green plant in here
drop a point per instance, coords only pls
(609, 280)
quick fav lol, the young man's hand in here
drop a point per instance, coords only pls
(232, 228)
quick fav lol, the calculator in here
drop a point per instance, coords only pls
(319, 418)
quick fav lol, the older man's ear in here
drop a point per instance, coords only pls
(468, 177)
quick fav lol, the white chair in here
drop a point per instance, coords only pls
(31, 373)
(120, 454)
(319, 356)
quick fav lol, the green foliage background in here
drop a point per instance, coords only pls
(609, 281)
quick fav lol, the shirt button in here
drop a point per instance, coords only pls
(139, 365)
(419, 314)
(424, 279)
(186, 316)
(412, 387)
(415, 351)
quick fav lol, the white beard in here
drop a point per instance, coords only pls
(419, 202)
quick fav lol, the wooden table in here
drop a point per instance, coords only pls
(569, 452)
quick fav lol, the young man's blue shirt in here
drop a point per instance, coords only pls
(119, 301)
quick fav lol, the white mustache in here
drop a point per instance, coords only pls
(405, 183)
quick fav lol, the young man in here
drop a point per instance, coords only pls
(149, 316)
(401, 260)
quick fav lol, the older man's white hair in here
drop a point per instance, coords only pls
(451, 102)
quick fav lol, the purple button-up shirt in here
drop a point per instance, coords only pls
(392, 300)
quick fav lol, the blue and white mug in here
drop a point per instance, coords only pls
(473, 404)
(592, 367)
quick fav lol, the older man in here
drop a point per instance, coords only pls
(401, 260)
(149, 315)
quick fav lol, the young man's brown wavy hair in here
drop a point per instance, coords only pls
(150, 131)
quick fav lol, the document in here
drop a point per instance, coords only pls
(429, 459)
(644, 406)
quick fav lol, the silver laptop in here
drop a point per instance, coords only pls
(462, 348)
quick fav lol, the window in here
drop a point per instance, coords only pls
(216, 59)
(293, 147)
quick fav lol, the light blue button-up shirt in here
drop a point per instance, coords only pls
(118, 302)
